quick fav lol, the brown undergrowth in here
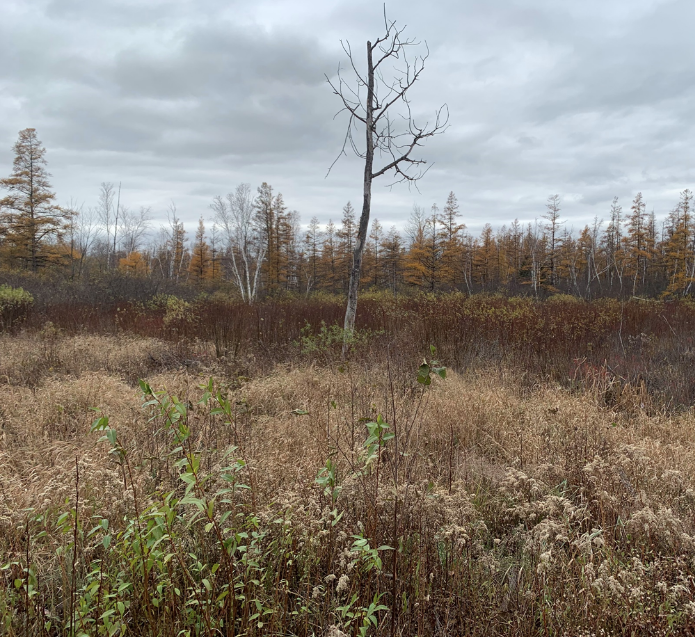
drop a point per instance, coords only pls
(328, 498)
(563, 338)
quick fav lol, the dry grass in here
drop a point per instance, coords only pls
(516, 509)
(573, 342)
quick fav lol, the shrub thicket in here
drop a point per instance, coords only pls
(15, 305)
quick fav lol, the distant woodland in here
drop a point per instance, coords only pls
(252, 243)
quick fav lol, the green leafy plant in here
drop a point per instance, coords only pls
(193, 558)
(378, 435)
(329, 337)
(328, 479)
(364, 617)
(425, 371)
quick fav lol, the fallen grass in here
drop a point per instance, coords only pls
(488, 506)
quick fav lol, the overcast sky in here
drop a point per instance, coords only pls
(182, 100)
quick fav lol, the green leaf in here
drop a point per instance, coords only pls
(423, 374)
(100, 424)
(189, 499)
(62, 518)
(300, 412)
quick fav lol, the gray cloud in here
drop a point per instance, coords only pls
(182, 100)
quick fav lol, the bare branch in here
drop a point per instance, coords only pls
(417, 134)
(352, 107)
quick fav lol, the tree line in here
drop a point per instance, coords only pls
(253, 242)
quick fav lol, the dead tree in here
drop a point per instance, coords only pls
(378, 105)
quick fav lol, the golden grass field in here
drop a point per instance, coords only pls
(515, 507)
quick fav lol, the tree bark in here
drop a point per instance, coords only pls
(355, 271)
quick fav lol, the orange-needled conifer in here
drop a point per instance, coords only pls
(30, 221)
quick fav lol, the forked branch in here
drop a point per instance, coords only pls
(374, 108)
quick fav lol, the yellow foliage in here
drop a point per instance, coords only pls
(134, 264)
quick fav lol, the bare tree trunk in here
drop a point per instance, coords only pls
(356, 270)
(115, 225)
(381, 133)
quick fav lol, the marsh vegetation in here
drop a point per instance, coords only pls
(477, 465)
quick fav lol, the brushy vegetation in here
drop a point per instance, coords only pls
(644, 345)
(15, 304)
(534, 475)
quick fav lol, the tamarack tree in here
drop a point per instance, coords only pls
(29, 218)
(378, 105)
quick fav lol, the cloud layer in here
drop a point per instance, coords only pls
(181, 101)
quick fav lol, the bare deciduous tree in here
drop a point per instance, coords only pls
(82, 232)
(235, 214)
(116, 218)
(378, 105)
(134, 226)
(170, 251)
(106, 209)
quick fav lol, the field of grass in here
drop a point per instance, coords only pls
(254, 483)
